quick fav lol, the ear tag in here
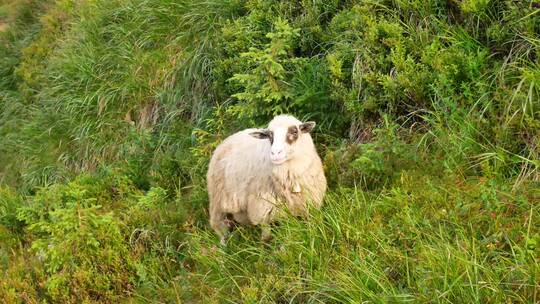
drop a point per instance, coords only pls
(296, 188)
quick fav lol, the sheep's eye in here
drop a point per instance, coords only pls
(292, 134)
(293, 130)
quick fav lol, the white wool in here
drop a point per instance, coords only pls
(244, 184)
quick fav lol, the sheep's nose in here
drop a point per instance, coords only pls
(277, 155)
(277, 152)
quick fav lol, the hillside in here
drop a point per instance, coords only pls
(428, 124)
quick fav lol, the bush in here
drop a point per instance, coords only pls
(10, 201)
(84, 253)
(82, 247)
(375, 164)
(10, 227)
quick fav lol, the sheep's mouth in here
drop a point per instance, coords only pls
(279, 161)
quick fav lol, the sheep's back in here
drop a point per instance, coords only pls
(240, 167)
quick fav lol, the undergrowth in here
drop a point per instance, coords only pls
(428, 127)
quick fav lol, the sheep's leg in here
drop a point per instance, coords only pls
(223, 239)
(266, 233)
(220, 226)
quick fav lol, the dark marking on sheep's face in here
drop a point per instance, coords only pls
(263, 134)
(292, 134)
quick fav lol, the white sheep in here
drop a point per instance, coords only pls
(257, 174)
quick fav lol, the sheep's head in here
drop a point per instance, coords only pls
(285, 133)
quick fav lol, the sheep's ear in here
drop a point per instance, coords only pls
(261, 134)
(306, 127)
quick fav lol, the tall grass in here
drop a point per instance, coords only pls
(428, 124)
(412, 243)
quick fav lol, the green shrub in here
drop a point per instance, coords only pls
(84, 253)
(82, 247)
(10, 227)
(10, 201)
(265, 87)
(372, 165)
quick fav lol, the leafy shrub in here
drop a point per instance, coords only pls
(83, 248)
(265, 87)
(10, 201)
(84, 253)
(10, 227)
(374, 164)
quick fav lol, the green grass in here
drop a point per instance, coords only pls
(424, 240)
(427, 123)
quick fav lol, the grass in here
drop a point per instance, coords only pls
(427, 123)
(423, 240)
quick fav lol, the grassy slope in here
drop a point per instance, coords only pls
(428, 126)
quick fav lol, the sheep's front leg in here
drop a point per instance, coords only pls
(266, 233)
(260, 213)
(221, 227)
(223, 239)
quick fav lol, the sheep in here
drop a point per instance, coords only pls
(255, 175)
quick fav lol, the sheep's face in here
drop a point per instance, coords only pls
(283, 139)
